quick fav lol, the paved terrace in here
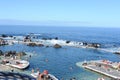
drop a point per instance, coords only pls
(108, 72)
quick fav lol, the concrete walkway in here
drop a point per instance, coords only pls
(108, 72)
(14, 76)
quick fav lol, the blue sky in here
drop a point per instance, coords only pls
(104, 13)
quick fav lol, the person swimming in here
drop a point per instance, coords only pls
(46, 60)
(33, 70)
(71, 68)
(30, 56)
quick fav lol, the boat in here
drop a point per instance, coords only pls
(20, 64)
(52, 77)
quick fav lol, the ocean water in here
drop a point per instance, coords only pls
(62, 62)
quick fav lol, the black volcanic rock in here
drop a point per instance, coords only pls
(12, 53)
(44, 38)
(67, 41)
(94, 45)
(31, 44)
(21, 54)
(3, 42)
(3, 35)
(47, 46)
(27, 39)
(40, 45)
(57, 46)
(84, 43)
(1, 53)
(56, 38)
(34, 44)
(116, 52)
(10, 36)
(9, 53)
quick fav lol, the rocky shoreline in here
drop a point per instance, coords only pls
(29, 40)
(12, 54)
(34, 41)
(3, 42)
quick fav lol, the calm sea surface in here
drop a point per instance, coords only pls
(62, 62)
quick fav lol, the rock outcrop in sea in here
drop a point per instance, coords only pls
(14, 53)
(57, 46)
(67, 42)
(34, 44)
(21, 54)
(27, 39)
(3, 42)
(94, 45)
(116, 52)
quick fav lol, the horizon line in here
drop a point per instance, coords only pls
(52, 23)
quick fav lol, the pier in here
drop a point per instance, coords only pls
(103, 69)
